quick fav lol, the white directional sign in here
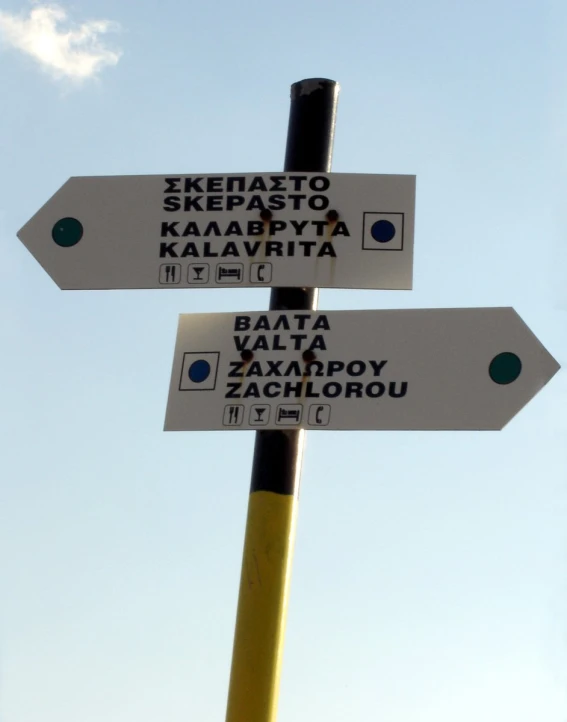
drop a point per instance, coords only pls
(275, 229)
(408, 369)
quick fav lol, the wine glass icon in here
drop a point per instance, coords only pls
(260, 412)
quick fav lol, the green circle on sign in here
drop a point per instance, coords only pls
(505, 368)
(67, 232)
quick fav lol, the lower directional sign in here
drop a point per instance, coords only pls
(407, 369)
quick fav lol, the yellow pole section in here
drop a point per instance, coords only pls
(262, 603)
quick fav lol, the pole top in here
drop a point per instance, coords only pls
(311, 85)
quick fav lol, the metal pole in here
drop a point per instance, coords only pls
(276, 470)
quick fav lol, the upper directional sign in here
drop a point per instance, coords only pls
(409, 369)
(280, 229)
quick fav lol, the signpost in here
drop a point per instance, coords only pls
(410, 369)
(297, 229)
(291, 368)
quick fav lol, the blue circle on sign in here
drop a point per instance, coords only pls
(199, 371)
(383, 231)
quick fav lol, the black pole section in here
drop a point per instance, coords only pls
(309, 148)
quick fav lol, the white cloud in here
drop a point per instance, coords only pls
(65, 50)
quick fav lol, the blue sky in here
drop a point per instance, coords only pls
(430, 570)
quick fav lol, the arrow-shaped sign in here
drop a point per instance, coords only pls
(407, 369)
(274, 229)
